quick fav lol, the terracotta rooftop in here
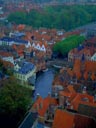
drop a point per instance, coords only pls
(83, 99)
(65, 119)
(5, 54)
(42, 104)
(90, 66)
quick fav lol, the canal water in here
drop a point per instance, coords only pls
(44, 83)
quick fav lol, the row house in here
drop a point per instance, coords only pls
(28, 53)
(8, 41)
(18, 51)
(81, 53)
(40, 46)
(56, 113)
(83, 72)
(45, 109)
(72, 100)
(42, 49)
(90, 42)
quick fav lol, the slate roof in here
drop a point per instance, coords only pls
(29, 120)
(87, 110)
(26, 67)
(18, 34)
(19, 41)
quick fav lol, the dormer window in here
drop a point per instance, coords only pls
(85, 99)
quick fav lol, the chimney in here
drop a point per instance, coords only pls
(67, 103)
(84, 90)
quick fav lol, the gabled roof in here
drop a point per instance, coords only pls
(68, 92)
(76, 99)
(63, 119)
(42, 104)
(83, 99)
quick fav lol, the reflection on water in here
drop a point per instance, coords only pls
(44, 83)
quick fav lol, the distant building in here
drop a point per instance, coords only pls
(10, 41)
(91, 32)
(6, 56)
(16, 34)
(81, 53)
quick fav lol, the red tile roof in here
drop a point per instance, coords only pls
(8, 64)
(90, 66)
(5, 54)
(76, 99)
(44, 103)
(63, 119)
(82, 99)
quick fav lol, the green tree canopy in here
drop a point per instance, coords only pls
(69, 43)
(60, 17)
(14, 102)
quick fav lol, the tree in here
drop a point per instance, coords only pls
(14, 102)
(69, 43)
(60, 17)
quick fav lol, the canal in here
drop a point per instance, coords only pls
(44, 83)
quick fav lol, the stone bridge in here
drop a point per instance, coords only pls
(59, 63)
